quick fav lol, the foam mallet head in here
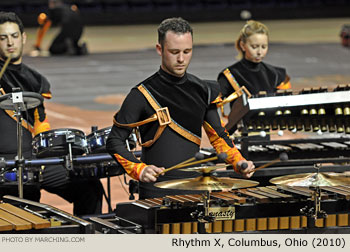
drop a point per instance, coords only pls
(283, 156)
(199, 156)
(244, 165)
(222, 157)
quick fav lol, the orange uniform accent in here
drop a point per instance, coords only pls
(46, 24)
(46, 95)
(220, 145)
(42, 18)
(25, 124)
(40, 126)
(132, 169)
(285, 84)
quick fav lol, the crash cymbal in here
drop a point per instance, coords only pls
(313, 179)
(206, 183)
(30, 100)
(205, 168)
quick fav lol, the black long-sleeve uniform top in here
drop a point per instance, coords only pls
(254, 76)
(28, 80)
(189, 100)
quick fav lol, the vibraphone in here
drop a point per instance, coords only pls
(312, 109)
(25, 216)
(263, 209)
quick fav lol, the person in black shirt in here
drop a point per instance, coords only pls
(71, 29)
(252, 45)
(85, 194)
(191, 103)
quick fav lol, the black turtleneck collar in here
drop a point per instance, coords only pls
(11, 66)
(252, 66)
(171, 78)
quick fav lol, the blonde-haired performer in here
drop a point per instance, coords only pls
(250, 71)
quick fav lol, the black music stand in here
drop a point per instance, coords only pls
(20, 101)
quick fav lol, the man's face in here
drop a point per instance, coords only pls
(256, 47)
(11, 42)
(176, 53)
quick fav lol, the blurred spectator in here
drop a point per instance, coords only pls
(71, 29)
(345, 35)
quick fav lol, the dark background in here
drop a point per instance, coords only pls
(112, 12)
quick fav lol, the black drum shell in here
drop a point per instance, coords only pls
(55, 143)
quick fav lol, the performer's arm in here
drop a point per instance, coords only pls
(130, 112)
(45, 24)
(219, 138)
(285, 84)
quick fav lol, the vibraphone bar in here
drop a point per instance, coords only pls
(310, 110)
(24, 216)
(263, 209)
(300, 151)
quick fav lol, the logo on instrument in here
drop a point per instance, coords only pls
(223, 213)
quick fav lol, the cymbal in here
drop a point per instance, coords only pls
(205, 168)
(30, 100)
(313, 179)
(206, 183)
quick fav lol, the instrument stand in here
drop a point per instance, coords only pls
(315, 212)
(17, 99)
(202, 215)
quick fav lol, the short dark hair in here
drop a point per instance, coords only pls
(176, 25)
(12, 18)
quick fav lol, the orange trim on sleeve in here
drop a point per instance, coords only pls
(285, 84)
(38, 125)
(46, 95)
(132, 169)
(220, 145)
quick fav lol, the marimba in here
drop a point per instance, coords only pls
(263, 209)
(24, 216)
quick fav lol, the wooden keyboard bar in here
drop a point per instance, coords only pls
(17, 223)
(257, 197)
(5, 226)
(261, 192)
(275, 192)
(336, 190)
(233, 196)
(36, 221)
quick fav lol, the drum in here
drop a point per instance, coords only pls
(97, 140)
(54, 143)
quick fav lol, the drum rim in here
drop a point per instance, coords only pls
(58, 129)
(99, 131)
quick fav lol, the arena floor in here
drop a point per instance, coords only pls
(88, 90)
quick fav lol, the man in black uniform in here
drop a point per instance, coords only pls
(71, 29)
(86, 195)
(191, 104)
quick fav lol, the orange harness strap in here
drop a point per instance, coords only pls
(11, 114)
(238, 91)
(164, 119)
